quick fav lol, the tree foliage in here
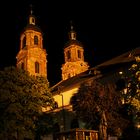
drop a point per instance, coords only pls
(132, 78)
(120, 106)
(131, 98)
(21, 100)
(98, 106)
(45, 125)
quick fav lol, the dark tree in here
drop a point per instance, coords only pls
(131, 100)
(97, 105)
(22, 98)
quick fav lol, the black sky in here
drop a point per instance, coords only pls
(105, 29)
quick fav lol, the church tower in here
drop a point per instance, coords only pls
(31, 56)
(74, 57)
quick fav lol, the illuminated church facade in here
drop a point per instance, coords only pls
(32, 57)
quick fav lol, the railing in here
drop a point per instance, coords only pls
(77, 134)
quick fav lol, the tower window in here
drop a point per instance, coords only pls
(36, 67)
(69, 75)
(36, 40)
(79, 54)
(33, 20)
(24, 43)
(22, 65)
(73, 36)
(68, 54)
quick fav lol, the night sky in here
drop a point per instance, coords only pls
(105, 29)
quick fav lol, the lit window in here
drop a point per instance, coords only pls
(36, 67)
(33, 20)
(36, 40)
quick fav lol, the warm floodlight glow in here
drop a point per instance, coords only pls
(120, 72)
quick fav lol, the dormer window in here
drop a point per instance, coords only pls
(35, 40)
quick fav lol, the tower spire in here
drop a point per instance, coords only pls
(72, 34)
(31, 9)
(31, 17)
(31, 46)
(74, 56)
(71, 25)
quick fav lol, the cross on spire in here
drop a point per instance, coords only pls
(71, 25)
(72, 34)
(31, 9)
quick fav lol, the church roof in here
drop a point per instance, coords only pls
(32, 27)
(108, 66)
(124, 58)
(73, 81)
(73, 42)
(31, 24)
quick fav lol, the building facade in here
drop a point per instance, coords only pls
(74, 57)
(75, 71)
(31, 56)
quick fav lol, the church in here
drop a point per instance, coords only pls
(32, 57)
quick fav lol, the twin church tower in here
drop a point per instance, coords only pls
(32, 57)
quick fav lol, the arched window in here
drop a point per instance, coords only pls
(68, 55)
(22, 65)
(36, 67)
(79, 54)
(24, 42)
(69, 75)
(36, 40)
(55, 104)
(33, 20)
